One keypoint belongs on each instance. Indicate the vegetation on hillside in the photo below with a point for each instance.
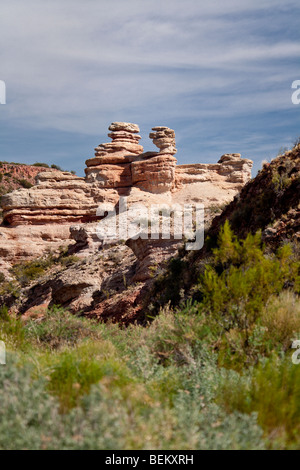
(211, 368)
(212, 373)
(18, 175)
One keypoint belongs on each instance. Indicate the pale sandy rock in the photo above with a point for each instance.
(150, 254)
(164, 139)
(118, 146)
(124, 126)
(123, 136)
(32, 241)
(231, 168)
(155, 174)
(117, 175)
(119, 168)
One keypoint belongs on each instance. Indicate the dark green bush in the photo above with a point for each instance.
(236, 289)
(28, 271)
(25, 183)
(43, 165)
(56, 167)
(59, 328)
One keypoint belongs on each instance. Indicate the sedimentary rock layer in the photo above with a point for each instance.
(119, 168)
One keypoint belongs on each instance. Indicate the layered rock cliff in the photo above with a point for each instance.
(61, 210)
(59, 199)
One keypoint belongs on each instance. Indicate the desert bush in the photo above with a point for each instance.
(68, 260)
(208, 427)
(28, 271)
(11, 330)
(75, 372)
(43, 165)
(272, 390)
(243, 279)
(281, 319)
(59, 328)
(27, 413)
(10, 288)
(177, 338)
(25, 183)
(30, 418)
(56, 167)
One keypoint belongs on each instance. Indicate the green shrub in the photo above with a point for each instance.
(11, 330)
(25, 183)
(281, 319)
(30, 418)
(43, 165)
(56, 167)
(244, 278)
(272, 390)
(59, 328)
(10, 288)
(76, 371)
(28, 271)
(68, 260)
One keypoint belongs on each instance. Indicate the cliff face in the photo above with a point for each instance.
(47, 210)
(15, 176)
(60, 210)
(270, 202)
(119, 168)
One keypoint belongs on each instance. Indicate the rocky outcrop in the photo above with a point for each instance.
(151, 254)
(110, 168)
(82, 285)
(60, 199)
(164, 139)
(29, 242)
(231, 168)
(16, 175)
(270, 202)
(155, 171)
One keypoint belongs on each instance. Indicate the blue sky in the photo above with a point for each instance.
(218, 72)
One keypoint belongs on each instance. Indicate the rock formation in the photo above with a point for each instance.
(155, 171)
(18, 175)
(58, 197)
(60, 210)
(231, 168)
(110, 168)
(119, 168)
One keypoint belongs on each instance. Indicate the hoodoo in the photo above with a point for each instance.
(119, 168)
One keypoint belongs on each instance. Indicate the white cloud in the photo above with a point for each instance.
(76, 66)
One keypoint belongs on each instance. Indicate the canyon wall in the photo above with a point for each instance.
(60, 199)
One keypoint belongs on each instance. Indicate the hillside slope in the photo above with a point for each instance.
(19, 175)
(270, 203)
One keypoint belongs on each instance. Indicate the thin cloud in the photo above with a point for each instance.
(75, 67)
